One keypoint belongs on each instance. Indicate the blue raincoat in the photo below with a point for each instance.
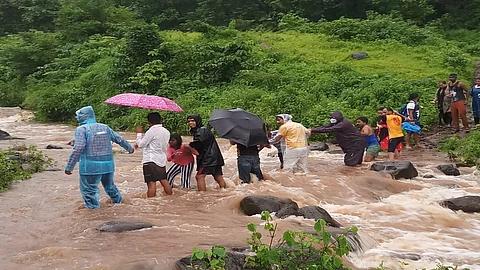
(475, 93)
(93, 149)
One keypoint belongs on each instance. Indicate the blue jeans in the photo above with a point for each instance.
(247, 165)
(91, 193)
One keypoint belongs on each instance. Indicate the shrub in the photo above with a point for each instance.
(466, 150)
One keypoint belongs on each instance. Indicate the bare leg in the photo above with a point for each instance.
(407, 141)
(166, 186)
(396, 154)
(201, 184)
(151, 189)
(220, 181)
(416, 138)
(369, 158)
(391, 155)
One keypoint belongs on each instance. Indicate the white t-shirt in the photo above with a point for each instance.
(411, 106)
(154, 144)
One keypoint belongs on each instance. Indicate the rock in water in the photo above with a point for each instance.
(123, 226)
(398, 169)
(253, 205)
(336, 152)
(51, 146)
(428, 176)
(449, 169)
(359, 55)
(4, 135)
(316, 212)
(319, 146)
(71, 143)
(467, 204)
(234, 261)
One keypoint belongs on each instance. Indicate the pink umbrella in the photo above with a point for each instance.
(144, 101)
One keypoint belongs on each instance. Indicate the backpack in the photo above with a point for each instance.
(403, 110)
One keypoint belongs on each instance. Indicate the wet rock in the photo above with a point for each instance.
(406, 256)
(253, 205)
(316, 213)
(459, 165)
(234, 261)
(398, 169)
(318, 146)
(336, 152)
(467, 204)
(51, 146)
(359, 55)
(123, 226)
(449, 169)
(4, 135)
(71, 143)
(287, 211)
(428, 176)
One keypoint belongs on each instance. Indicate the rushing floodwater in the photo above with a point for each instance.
(43, 225)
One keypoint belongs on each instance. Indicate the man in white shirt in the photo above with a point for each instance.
(154, 144)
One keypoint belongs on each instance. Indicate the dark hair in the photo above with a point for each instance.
(178, 139)
(477, 78)
(413, 96)
(452, 75)
(444, 82)
(381, 109)
(363, 119)
(154, 118)
(389, 109)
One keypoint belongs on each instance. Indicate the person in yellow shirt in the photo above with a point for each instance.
(395, 133)
(295, 136)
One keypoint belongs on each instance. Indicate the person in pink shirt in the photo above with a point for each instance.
(182, 157)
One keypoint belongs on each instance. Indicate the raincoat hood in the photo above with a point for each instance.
(198, 120)
(86, 115)
(285, 117)
(338, 116)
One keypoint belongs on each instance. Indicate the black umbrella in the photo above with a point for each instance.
(239, 126)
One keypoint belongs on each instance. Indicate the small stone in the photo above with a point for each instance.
(51, 146)
(359, 55)
(123, 226)
(429, 176)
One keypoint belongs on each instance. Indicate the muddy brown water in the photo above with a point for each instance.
(43, 225)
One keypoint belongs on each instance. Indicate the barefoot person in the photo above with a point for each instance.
(154, 144)
(395, 133)
(373, 147)
(348, 137)
(93, 148)
(182, 156)
(210, 159)
(413, 113)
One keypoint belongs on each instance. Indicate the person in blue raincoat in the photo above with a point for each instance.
(93, 149)
(475, 94)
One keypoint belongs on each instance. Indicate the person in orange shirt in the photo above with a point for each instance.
(394, 124)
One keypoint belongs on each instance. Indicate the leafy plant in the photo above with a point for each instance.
(213, 259)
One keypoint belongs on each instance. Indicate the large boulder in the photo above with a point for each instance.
(359, 55)
(234, 261)
(4, 135)
(318, 146)
(398, 169)
(253, 205)
(449, 169)
(123, 226)
(316, 213)
(467, 204)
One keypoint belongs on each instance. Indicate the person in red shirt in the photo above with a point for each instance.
(182, 157)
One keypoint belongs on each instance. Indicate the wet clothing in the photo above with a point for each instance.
(373, 150)
(371, 140)
(93, 150)
(348, 137)
(152, 172)
(211, 170)
(394, 125)
(294, 134)
(249, 164)
(154, 144)
(412, 105)
(182, 156)
(209, 154)
(184, 170)
(247, 151)
(295, 158)
(394, 143)
(475, 93)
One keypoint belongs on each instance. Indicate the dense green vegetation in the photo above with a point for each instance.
(20, 163)
(268, 57)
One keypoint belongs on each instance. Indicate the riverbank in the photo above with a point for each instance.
(45, 226)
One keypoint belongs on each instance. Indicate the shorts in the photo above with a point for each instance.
(152, 172)
(393, 143)
(373, 150)
(210, 170)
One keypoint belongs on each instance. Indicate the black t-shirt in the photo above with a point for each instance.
(457, 92)
(247, 151)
